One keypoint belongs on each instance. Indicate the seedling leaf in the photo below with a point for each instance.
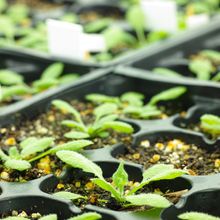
(19, 165)
(53, 71)
(68, 195)
(197, 216)
(87, 216)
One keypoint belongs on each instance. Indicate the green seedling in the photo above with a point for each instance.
(105, 119)
(166, 72)
(197, 216)
(120, 179)
(210, 124)
(132, 103)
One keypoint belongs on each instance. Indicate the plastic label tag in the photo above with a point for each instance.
(197, 20)
(160, 15)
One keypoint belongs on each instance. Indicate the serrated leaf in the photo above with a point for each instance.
(53, 71)
(64, 106)
(99, 98)
(72, 146)
(38, 146)
(8, 77)
(76, 135)
(49, 217)
(87, 216)
(167, 72)
(149, 199)
(105, 109)
(108, 187)
(210, 123)
(77, 160)
(19, 165)
(133, 98)
(119, 126)
(168, 94)
(120, 178)
(202, 68)
(197, 216)
(68, 195)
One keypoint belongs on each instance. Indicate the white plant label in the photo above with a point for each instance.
(197, 20)
(67, 40)
(160, 15)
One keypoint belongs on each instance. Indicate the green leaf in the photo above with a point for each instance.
(68, 195)
(115, 37)
(202, 68)
(87, 216)
(107, 118)
(166, 72)
(14, 153)
(69, 17)
(64, 106)
(108, 187)
(149, 199)
(135, 16)
(211, 54)
(19, 165)
(72, 124)
(150, 111)
(27, 142)
(216, 77)
(53, 71)
(17, 90)
(133, 98)
(3, 5)
(97, 25)
(105, 109)
(119, 126)
(197, 216)
(49, 217)
(7, 27)
(169, 94)
(120, 178)
(14, 218)
(77, 160)
(38, 146)
(210, 123)
(99, 98)
(72, 146)
(68, 78)
(3, 156)
(44, 84)
(8, 77)
(76, 135)
(18, 12)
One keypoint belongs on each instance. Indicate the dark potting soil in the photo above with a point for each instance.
(197, 161)
(98, 197)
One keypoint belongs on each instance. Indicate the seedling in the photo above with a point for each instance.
(166, 72)
(120, 180)
(33, 149)
(210, 124)
(197, 216)
(52, 77)
(86, 216)
(105, 119)
(132, 103)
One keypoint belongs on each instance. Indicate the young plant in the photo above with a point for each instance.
(120, 180)
(105, 119)
(197, 216)
(132, 103)
(86, 216)
(52, 77)
(166, 72)
(33, 149)
(210, 124)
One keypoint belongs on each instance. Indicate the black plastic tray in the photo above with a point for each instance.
(34, 193)
(174, 53)
(31, 68)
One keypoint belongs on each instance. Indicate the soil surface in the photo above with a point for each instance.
(98, 197)
(197, 161)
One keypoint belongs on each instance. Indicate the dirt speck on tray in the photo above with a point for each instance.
(198, 161)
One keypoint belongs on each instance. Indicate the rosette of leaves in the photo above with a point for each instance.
(210, 124)
(105, 119)
(32, 149)
(132, 103)
(197, 216)
(86, 216)
(52, 76)
(120, 180)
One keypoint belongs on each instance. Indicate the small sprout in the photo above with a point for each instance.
(105, 119)
(132, 103)
(210, 124)
(120, 180)
(8, 77)
(166, 72)
(197, 216)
